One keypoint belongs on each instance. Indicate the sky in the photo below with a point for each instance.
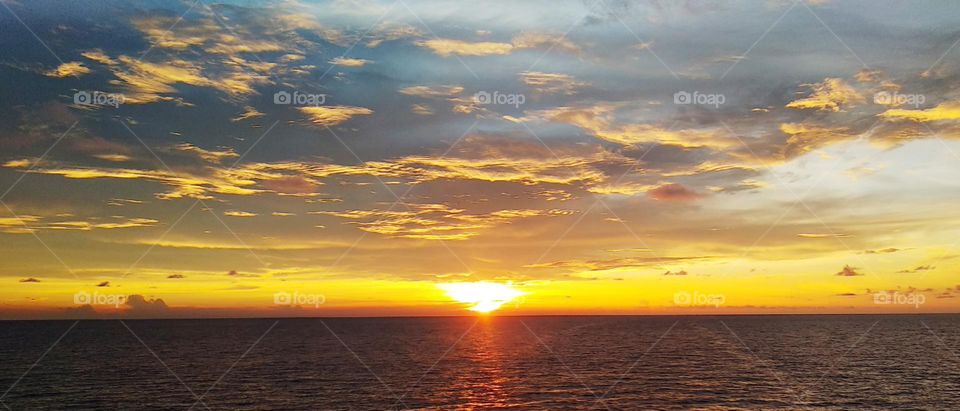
(362, 158)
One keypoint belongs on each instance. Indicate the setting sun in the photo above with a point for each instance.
(484, 296)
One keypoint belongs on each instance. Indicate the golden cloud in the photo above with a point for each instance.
(943, 111)
(207, 155)
(348, 62)
(830, 95)
(599, 120)
(551, 82)
(805, 137)
(448, 47)
(73, 68)
(236, 213)
(433, 221)
(432, 91)
(332, 115)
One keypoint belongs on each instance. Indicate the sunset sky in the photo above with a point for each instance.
(767, 156)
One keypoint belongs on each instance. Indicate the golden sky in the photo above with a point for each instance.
(354, 158)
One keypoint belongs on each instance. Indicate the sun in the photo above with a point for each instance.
(484, 296)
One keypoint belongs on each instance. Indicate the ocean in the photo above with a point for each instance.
(815, 362)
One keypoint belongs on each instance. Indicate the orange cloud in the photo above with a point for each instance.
(673, 192)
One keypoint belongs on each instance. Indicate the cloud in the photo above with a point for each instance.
(551, 83)
(600, 120)
(868, 75)
(673, 192)
(832, 94)
(823, 235)
(432, 91)
(211, 156)
(434, 221)
(148, 82)
(248, 113)
(681, 272)
(616, 263)
(104, 284)
(544, 40)
(234, 213)
(448, 47)
(176, 276)
(26, 224)
(139, 305)
(332, 115)
(73, 68)
(849, 271)
(29, 280)
(917, 269)
(882, 251)
(422, 110)
(943, 111)
(348, 62)
(805, 137)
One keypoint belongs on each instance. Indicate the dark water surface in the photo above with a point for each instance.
(714, 363)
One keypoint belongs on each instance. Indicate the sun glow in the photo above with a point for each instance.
(484, 296)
